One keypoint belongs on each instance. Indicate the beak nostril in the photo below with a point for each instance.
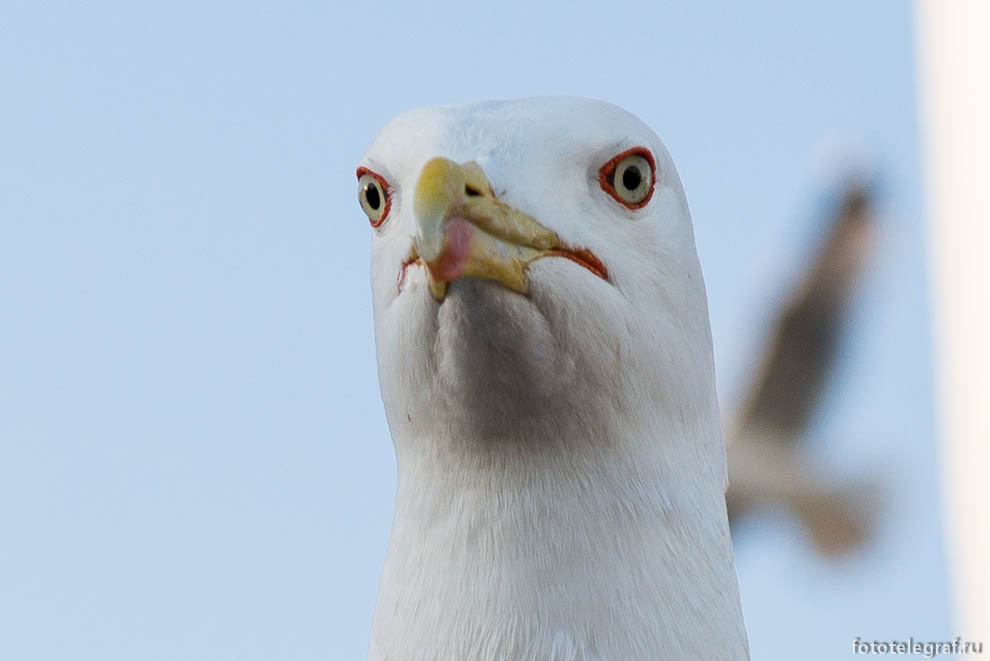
(471, 191)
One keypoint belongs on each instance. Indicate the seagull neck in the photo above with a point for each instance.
(598, 548)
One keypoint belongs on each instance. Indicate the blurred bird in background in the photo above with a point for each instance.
(766, 464)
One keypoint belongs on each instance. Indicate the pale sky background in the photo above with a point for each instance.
(194, 460)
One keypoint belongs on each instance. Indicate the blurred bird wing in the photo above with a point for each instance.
(802, 345)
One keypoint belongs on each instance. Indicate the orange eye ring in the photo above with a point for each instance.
(633, 190)
(374, 195)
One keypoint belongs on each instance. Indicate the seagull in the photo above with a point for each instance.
(765, 463)
(545, 362)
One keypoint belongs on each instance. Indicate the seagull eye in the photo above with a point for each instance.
(373, 194)
(630, 177)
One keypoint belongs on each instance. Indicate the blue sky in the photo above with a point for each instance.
(194, 461)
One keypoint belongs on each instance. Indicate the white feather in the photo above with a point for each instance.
(561, 469)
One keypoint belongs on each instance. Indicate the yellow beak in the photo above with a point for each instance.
(463, 231)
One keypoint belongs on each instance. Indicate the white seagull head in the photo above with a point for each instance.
(532, 260)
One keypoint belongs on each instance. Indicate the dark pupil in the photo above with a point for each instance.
(372, 196)
(631, 178)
